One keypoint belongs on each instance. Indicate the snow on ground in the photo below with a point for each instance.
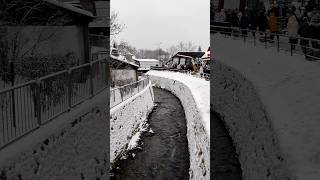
(136, 138)
(127, 121)
(283, 98)
(194, 94)
(133, 143)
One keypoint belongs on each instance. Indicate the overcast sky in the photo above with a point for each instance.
(150, 22)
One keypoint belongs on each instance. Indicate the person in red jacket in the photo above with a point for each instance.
(273, 25)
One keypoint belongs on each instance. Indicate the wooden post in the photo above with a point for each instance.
(12, 78)
(91, 80)
(69, 85)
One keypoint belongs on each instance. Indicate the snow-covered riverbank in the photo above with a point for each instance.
(194, 94)
(126, 119)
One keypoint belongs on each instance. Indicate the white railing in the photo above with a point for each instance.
(120, 94)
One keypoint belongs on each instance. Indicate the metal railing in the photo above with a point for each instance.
(308, 47)
(25, 107)
(120, 94)
(205, 76)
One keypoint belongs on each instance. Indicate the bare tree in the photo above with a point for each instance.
(115, 26)
(190, 46)
(125, 48)
(185, 46)
(181, 46)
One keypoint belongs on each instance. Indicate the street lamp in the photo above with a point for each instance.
(159, 50)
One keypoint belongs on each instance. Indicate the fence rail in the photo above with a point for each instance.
(120, 94)
(308, 47)
(25, 107)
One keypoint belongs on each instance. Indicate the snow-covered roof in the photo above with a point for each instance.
(147, 60)
(70, 7)
(123, 60)
(183, 56)
(144, 68)
(193, 54)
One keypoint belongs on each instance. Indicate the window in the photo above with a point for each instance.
(183, 61)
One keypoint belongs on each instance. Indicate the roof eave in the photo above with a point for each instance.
(70, 8)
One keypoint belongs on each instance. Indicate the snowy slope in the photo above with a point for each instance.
(288, 87)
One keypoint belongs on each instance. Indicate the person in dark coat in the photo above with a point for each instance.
(304, 32)
(234, 20)
(315, 28)
(253, 22)
(244, 23)
(262, 24)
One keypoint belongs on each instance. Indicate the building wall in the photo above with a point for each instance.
(148, 64)
(49, 40)
(120, 77)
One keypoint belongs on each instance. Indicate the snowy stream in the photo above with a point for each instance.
(164, 155)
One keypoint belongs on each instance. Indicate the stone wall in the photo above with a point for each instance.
(235, 99)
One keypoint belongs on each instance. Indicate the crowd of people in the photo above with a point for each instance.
(305, 24)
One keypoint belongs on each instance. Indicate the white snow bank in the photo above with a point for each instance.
(127, 120)
(134, 141)
(270, 102)
(195, 98)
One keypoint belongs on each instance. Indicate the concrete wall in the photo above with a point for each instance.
(125, 119)
(269, 100)
(198, 139)
(74, 146)
(235, 99)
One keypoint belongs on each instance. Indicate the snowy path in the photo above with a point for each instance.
(165, 154)
(225, 163)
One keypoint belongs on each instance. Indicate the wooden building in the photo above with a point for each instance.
(53, 28)
(187, 59)
(122, 71)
